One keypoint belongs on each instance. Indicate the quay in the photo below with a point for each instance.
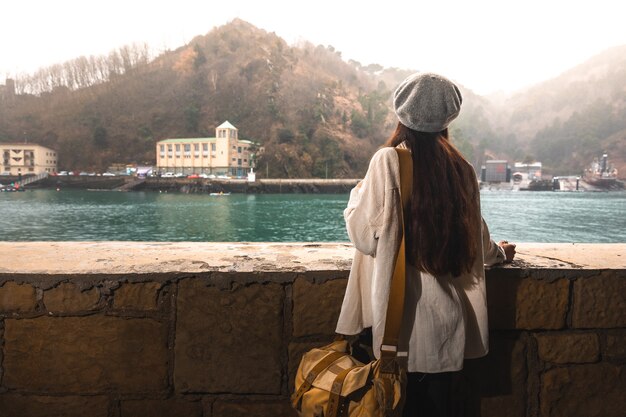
(217, 329)
(196, 185)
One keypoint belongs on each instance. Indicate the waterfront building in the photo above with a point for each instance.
(530, 172)
(26, 159)
(495, 171)
(224, 154)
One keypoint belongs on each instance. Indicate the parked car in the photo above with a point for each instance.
(193, 176)
(168, 175)
(108, 174)
(179, 175)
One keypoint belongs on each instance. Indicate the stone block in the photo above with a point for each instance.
(85, 355)
(529, 303)
(137, 296)
(14, 405)
(316, 306)
(541, 304)
(253, 409)
(17, 297)
(495, 385)
(229, 341)
(172, 407)
(68, 298)
(568, 347)
(615, 349)
(595, 390)
(600, 302)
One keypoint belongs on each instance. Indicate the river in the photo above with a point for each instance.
(79, 215)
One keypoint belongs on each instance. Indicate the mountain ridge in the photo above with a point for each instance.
(314, 113)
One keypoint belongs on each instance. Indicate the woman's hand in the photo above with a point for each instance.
(509, 250)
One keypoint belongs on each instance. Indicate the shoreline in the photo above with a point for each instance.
(200, 186)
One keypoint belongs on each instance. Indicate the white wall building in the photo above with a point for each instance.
(26, 159)
(224, 154)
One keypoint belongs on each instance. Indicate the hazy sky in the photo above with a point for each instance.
(486, 45)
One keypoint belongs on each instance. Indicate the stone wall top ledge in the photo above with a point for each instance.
(113, 258)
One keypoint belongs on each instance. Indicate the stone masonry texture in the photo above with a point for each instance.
(600, 302)
(253, 409)
(229, 341)
(17, 297)
(14, 405)
(316, 306)
(139, 296)
(161, 408)
(123, 329)
(595, 390)
(568, 347)
(527, 303)
(69, 298)
(541, 304)
(91, 354)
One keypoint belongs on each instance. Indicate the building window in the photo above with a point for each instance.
(239, 149)
(187, 147)
(162, 147)
(169, 148)
(213, 147)
(196, 146)
(205, 146)
(178, 147)
(31, 169)
(234, 147)
(239, 161)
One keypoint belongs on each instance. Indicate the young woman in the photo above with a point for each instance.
(447, 246)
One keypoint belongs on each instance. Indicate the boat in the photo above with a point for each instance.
(11, 189)
(219, 194)
(600, 173)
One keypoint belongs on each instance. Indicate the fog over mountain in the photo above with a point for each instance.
(314, 113)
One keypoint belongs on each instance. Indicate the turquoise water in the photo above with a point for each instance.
(74, 215)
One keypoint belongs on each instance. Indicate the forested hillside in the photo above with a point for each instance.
(569, 120)
(314, 113)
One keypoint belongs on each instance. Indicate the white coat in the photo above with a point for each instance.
(445, 318)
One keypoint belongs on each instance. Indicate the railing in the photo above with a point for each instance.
(31, 179)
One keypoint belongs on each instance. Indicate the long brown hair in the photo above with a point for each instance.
(443, 225)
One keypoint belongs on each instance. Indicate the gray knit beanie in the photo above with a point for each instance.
(427, 102)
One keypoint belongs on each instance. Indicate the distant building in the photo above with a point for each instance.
(224, 154)
(26, 159)
(495, 171)
(528, 172)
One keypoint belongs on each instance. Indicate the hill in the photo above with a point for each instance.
(315, 114)
(569, 120)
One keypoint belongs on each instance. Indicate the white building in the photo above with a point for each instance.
(528, 172)
(26, 159)
(224, 154)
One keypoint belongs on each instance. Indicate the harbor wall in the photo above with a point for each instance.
(197, 185)
(121, 329)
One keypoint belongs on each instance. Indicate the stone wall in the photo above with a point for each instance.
(122, 329)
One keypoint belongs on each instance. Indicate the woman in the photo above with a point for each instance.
(448, 244)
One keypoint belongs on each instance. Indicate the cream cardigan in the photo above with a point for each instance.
(445, 318)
